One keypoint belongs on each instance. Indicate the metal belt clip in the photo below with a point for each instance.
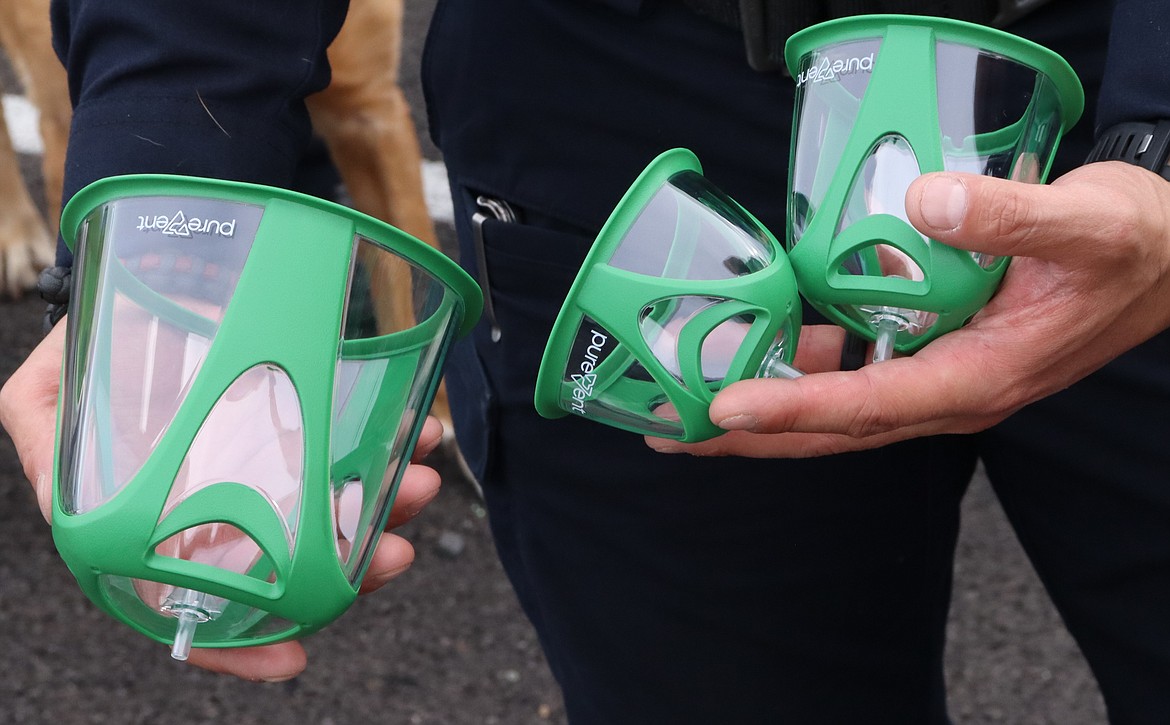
(500, 210)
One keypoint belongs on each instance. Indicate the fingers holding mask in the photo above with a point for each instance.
(1089, 279)
(392, 556)
(28, 411)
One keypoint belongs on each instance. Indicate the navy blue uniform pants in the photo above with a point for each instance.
(670, 589)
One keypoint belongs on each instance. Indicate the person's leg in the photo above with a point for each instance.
(683, 590)
(668, 588)
(1083, 475)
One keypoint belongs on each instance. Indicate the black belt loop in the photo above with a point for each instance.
(761, 22)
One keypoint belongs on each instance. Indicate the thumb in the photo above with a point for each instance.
(1006, 218)
(28, 409)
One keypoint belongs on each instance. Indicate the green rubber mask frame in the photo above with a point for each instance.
(356, 399)
(682, 292)
(873, 88)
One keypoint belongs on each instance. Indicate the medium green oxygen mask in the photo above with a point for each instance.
(246, 373)
(880, 100)
(682, 293)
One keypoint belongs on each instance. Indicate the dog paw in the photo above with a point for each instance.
(25, 250)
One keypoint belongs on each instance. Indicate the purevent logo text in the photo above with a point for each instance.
(180, 225)
(828, 69)
(584, 380)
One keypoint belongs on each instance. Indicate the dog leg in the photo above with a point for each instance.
(365, 121)
(26, 241)
(48, 89)
(25, 245)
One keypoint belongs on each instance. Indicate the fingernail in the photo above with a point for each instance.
(44, 492)
(743, 421)
(416, 507)
(663, 445)
(278, 678)
(943, 203)
(381, 578)
(410, 513)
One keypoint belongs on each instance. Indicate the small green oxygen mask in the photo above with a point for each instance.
(682, 293)
(246, 373)
(880, 100)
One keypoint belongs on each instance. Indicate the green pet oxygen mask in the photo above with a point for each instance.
(246, 374)
(682, 292)
(880, 100)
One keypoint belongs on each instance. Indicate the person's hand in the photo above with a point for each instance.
(392, 556)
(28, 411)
(1089, 280)
(28, 408)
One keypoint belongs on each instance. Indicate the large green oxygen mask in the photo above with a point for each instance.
(246, 373)
(682, 292)
(881, 100)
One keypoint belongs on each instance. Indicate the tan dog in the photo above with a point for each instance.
(26, 240)
(363, 117)
(365, 121)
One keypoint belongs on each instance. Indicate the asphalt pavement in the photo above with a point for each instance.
(447, 643)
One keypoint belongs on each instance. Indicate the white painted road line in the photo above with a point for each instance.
(438, 192)
(22, 118)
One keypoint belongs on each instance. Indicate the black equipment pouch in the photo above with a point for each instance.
(767, 24)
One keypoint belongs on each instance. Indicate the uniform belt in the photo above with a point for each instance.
(767, 24)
